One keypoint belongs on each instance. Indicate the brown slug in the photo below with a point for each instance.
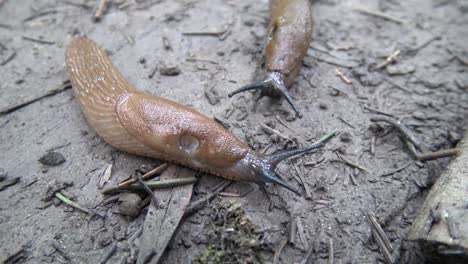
(155, 127)
(290, 34)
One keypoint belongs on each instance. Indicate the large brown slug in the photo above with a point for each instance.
(155, 127)
(287, 44)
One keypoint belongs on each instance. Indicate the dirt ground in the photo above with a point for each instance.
(426, 88)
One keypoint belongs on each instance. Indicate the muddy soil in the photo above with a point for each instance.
(425, 87)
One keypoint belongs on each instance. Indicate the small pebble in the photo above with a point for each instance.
(169, 71)
(52, 159)
(323, 106)
(129, 204)
(419, 115)
(345, 136)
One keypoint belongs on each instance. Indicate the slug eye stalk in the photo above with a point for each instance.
(264, 168)
(273, 85)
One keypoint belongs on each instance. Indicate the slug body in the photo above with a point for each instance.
(287, 44)
(155, 127)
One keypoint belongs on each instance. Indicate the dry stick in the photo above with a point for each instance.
(380, 231)
(146, 176)
(40, 41)
(197, 205)
(308, 254)
(396, 85)
(162, 184)
(66, 200)
(341, 75)
(274, 131)
(388, 60)
(292, 230)
(279, 250)
(377, 111)
(438, 154)
(308, 194)
(347, 161)
(10, 58)
(397, 169)
(7, 183)
(149, 191)
(385, 251)
(331, 253)
(413, 145)
(100, 10)
(109, 254)
(379, 14)
(404, 131)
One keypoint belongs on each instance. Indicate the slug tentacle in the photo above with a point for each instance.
(272, 86)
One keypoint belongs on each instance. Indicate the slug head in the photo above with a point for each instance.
(262, 169)
(272, 86)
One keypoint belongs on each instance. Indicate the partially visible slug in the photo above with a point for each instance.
(287, 44)
(159, 128)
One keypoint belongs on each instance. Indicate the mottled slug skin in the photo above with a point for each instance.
(290, 36)
(149, 125)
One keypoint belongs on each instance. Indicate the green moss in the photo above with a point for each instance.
(231, 238)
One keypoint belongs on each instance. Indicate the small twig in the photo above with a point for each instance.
(39, 15)
(418, 150)
(391, 58)
(397, 169)
(10, 58)
(279, 250)
(292, 230)
(156, 171)
(380, 231)
(109, 254)
(462, 60)
(100, 10)
(397, 85)
(385, 251)
(148, 191)
(205, 33)
(71, 203)
(300, 173)
(423, 45)
(366, 11)
(197, 205)
(404, 131)
(162, 184)
(372, 145)
(326, 137)
(438, 154)
(40, 41)
(201, 60)
(377, 111)
(308, 254)
(341, 75)
(274, 131)
(347, 161)
(300, 230)
(7, 183)
(331, 253)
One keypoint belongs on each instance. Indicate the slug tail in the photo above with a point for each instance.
(98, 85)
